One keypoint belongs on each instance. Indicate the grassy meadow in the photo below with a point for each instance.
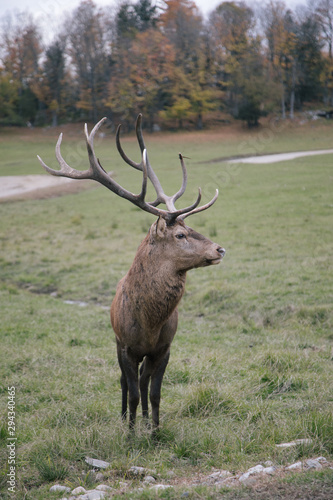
(251, 365)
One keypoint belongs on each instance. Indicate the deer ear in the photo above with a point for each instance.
(160, 227)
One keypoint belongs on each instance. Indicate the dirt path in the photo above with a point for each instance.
(21, 187)
(281, 156)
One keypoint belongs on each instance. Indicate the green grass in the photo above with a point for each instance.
(19, 147)
(251, 364)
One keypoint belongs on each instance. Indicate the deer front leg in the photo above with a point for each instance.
(123, 384)
(124, 392)
(145, 373)
(160, 365)
(130, 366)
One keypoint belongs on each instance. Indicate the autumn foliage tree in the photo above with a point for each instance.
(50, 86)
(21, 49)
(239, 65)
(87, 47)
(322, 12)
(165, 60)
(192, 90)
(280, 36)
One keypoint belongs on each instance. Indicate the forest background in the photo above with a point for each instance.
(165, 60)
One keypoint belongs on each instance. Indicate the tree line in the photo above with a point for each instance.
(168, 62)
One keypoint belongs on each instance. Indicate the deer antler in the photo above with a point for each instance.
(161, 196)
(96, 172)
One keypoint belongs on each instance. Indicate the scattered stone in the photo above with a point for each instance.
(140, 471)
(99, 477)
(99, 464)
(149, 480)
(93, 495)
(137, 471)
(246, 477)
(79, 490)
(295, 466)
(230, 482)
(159, 487)
(79, 303)
(103, 487)
(247, 480)
(256, 469)
(269, 470)
(286, 445)
(313, 464)
(221, 474)
(294, 443)
(59, 487)
(219, 478)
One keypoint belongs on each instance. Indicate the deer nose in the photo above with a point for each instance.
(221, 251)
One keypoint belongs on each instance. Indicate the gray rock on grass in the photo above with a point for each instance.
(59, 487)
(97, 464)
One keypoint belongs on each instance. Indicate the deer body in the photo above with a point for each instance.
(144, 312)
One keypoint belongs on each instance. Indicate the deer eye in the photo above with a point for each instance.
(180, 236)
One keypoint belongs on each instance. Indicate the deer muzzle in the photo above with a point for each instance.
(220, 254)
(221, 251)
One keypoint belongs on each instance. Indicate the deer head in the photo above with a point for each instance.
(183, 247)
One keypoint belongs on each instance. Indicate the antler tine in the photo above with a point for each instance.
(145, 175)
(90, 137)
(65, 169)
(122, 153)
(178, 213)
(96, 171)
(184, 183)
(51, 170)
(161, 196)
(138, 130)
(200, 209)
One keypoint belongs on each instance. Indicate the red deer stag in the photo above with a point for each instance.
(144, 312)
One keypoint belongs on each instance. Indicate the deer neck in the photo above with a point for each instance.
(154, 285)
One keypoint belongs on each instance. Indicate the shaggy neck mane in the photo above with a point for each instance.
(155, 287)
